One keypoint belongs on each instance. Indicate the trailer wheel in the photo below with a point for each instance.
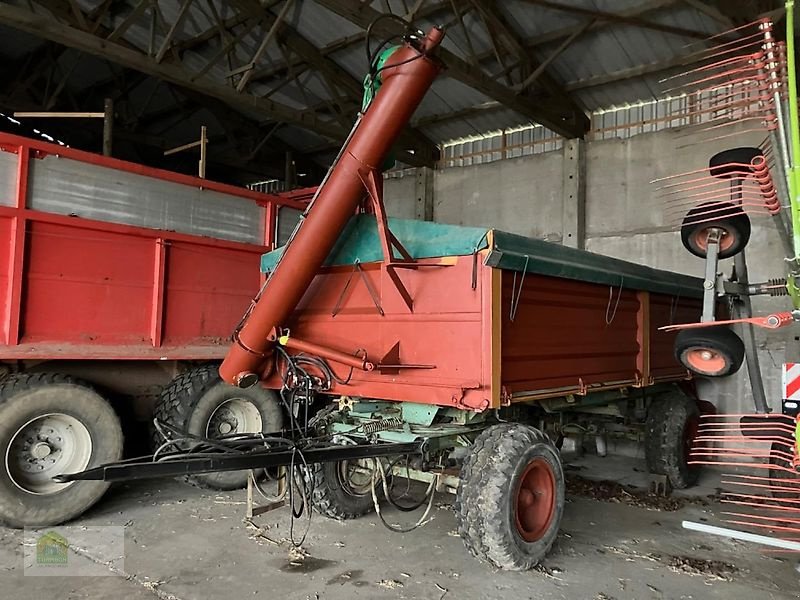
(343, 490)
(780, 478)
(510, 497)
(729, 163)
(200, 403)
(672, 424)
(710, 351)
(52, 424)
(727, 217)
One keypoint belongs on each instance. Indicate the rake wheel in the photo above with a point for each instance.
(710, 351)
(729, 218)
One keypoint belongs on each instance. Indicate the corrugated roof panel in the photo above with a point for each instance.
(535, 20)
(478, 124)
(448, 95)
(319, 25)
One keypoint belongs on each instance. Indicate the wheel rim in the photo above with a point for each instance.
(705, 360)
(535, 500)
(236, 415)
(46, 446)
(355, 477)
(726, 242)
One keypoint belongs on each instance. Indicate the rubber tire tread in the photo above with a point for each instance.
(491, 465)
(731, 216)
(743, 155)
(16, 383)
(665, 451)
(778, 475)
(330, 500)
(719, 338)
(175, 406)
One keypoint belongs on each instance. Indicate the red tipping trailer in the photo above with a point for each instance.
(449, 337)
(114, 279)
(495, 318)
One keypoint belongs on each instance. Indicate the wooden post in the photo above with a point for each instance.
(203, 143)
(108, 126)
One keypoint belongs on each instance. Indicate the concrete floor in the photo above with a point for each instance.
(184, 543)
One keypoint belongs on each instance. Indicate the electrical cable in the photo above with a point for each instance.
(394, 501)
(430, 493)
(368, 35)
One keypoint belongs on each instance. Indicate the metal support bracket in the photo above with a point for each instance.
(254, 510)
(743, 309)
(710, 281)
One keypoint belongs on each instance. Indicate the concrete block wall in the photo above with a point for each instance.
(623, 219)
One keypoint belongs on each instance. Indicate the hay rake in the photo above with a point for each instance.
(750, 84)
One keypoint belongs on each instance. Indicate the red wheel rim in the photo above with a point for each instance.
(535, 500)
(705, 360)
(700, 238)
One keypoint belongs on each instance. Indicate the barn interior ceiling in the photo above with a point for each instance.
(272, 79)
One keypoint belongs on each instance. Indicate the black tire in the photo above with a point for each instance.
(672, 422)
(727, 164)
(710, 351)
(781, 477)
(25, 397)
(337, 496)
(190, 403)
(489, 491)
(730, 218)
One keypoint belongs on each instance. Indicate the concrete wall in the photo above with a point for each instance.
(623, 219)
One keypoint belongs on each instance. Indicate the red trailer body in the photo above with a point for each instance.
(495, 318)
(78, 281)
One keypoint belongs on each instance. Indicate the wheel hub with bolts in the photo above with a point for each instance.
(236, 415)
(44, 447)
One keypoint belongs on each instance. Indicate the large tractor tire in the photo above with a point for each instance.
(52, 424)
(785, 484)
(198, 402)
(672, 424)
(510, 498)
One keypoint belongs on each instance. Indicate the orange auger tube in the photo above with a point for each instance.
(406, 77)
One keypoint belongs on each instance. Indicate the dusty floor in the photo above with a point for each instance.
(184, 543)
